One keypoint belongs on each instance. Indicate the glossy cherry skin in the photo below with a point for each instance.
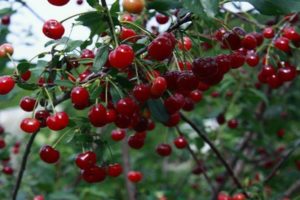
(97, 115)
(5, 20)
(94, 174)
(39, 197)
(205, 68)
(252, 59)
(237, 60)
(126, 106)
(128, 34)
(196, 95)
(269, 32)
(42, 116)
(118, 134)
(274, 82)
(233, 123)
(133, 6)
(111, 115)
(122, 121)
(80, 96)
(282, 43)
(173, 120)
(174, 103)
(161, 19)
(159, 86)
(7, 170)
(7, 83)
(141, 92)
(49, 155)
(58, 2)
(287, 73)
(164, 150)
(27, 103)
(114, 170)
(26, 75)
(2, 144)
(239, 196)
(121, 57)
(249, 42)
(134, 176)
(58, 121)
(180, 142)
(86, 160)
(30, 125)
(223, 196)
(160, 48)
(53, 29)
(136, 142)
(186, 44)
(290, 33)
(231, 40)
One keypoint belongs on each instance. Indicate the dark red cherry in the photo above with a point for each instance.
(121, 57)
(161, 19)
(249, 42)
(27, 103)
(237, 59)
(7, 83)
(111, 115)
(282, 43)
(42, 116)
(122, 121)
(290, 33)
(115, 170)
(186, 82)
(287, 73)
(7, 170)
(252, 59)
(173, 120)
(174, 103)
(97, 115)
(26, 75)
(259, 38)
(94, 174)
(136, 142)
(231, 40)
(30, 125)
(49, 155)
(180, 142)
(223, 62)
(160, 48)
(159, 86)
(164, 149)
(58, 121)
(221, 119)
(142, 92)
(80, 96)
(134, 176)
(118, 134)
(274, 82)
(86, 160)
(204, 68)
(58, 2)
(196, 95)
(5, 20)
(233, 123)
(269, 32)
(53, 29)
(126, 106)
(2, 143)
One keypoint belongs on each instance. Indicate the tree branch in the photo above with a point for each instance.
(31, 10)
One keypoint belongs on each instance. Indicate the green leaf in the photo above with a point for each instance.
(115, 8)
(163, 5)
(276, 7)
(259, 94)
(124, 82)
(95, 21)
(28, 86)
(64, 83)
(158, 110)
(195, 6)
(73, 44)
(101, 57)
(211, 7)
(23, 67)
(6, 11)
(94, 4)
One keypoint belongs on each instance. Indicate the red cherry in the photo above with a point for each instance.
(141, 92)
(84, 75)
(2, 143)
(58, 121)
(259, 38)
(205, 68)
(27, 103)
(49, 155)
(164, 150)
(30, 125)
(160, 48)
(126, 106)
(7, 170)
(80, 96)
(86, 160)
(161, 19)
(274, 82)
(42, 116)
(121, 57)
(219, 34)
(237, 60)
(223, 62)
(174, 103)
(282, 43)
(58, 2)
(252, 59)
(127, 18)
(239, 196)
(221, 119)
(233, 123)
(184, 65)
(173, 120)
(118, 134)
(231, 40)
(7, 83)
(115, 170)
(159, 86)
(39, 197)
(5, 20)
(94, 174)
(223, 196)
(290, 33)
(97, 115)
(53, 29)
(180, 142)
(249, 42)
(287, 73)
(134, 176)
(280, 132)
(26, 75)
(136, 142)
(127, 33)
(111, 115)
(186, 45)
(122, 121)
(269, 32)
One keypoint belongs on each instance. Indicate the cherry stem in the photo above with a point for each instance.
(50, 99)
(137, 26)
(217, 152)
(23, 165)
(61, 137)
(13, 62)
(31, 10)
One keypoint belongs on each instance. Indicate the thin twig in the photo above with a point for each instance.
(31, 10)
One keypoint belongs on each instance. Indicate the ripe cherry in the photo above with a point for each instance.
(231, 40)
(2, 143)
(180, 142)
(287, 73)
(269, 32)
(42, 116)
(274, 82)
(39, 197)
(121, 57)
(184, 65)
(280, 132)
(30, 125)
(128, 34)
(111, 115)
(239, 196)
(97, 115)
(7, 83)
(26, 75)
(7, 170)
(233, 123)
(186, 44)
(5, 20)
(53, 29)
(161, 19)
(136, 142)
(249, 42)
(160, 48)
(49, 155)
(86, 160)
(237, 60)
(126, 106)
(173, 120)
(290, 33)
(118, 134)
(80, 96)
(159, 86)
(205, 68)
(252, 59)
(141, 92)
(115, 170)
(94, 174)
(58, 2)
(122, 121)
(282, 43)
(133, 6)
(196, 95)
(27, 103)
(223, 196)
(58, 121)
(134, 176)
(174, 103)
(164, 149)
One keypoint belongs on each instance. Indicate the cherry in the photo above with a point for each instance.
(164, 150)
(142, 92)
(5, 20)
(173, 120)
(39, 197)
(233, 123)
(186, 44)
(180, 142)
(58, 121)
(94, 174)
(223, 196)
(160, 48)
(111, 115)
(115, 170)
(133, 6)
(53, 29)
(49, 155)
(42, 116)
(252, 59)
(196, 95)
(139, 123)
(269, 32)
(2, 143)
(122, 121)
(205, 68)
(30, 125)
(126, 106)
(134, 176)
(280, 132)
(159, 86)
(7, 83)
(287, 73)
(121, 57)
(86, 160)
(259, 38)
(237, 60)
(221, 119)
(231, 40)
(223, 62)
(249, 42)
(174, 103)
(184, 65)
(1, 130)
(187, 82)
(80, 96)
(136, 142)
(239, 196)
(97, 115)
(161, 19)
(127, 33)
(79, 2)
(7, 170)
(274, 82)
(84, 75)
(282, 43)
(26, 75)
(58, 2)
(118, 134)
(27, 103)
(290, 33)
(127, 17)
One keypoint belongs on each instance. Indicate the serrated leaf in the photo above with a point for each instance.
(101, 57)
(158, 110)
(163, 5)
